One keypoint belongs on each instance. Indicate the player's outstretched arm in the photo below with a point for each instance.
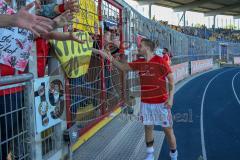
(122, 66)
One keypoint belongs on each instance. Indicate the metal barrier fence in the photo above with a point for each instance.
(114, 87)
(184, 47)
(15, 132)
(18, 137)
(98, 92)
(89, 103)
(85, 95)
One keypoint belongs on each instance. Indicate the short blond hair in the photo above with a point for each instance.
(149, 43)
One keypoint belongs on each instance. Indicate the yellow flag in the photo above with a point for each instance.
(73, 56)
(87, 17)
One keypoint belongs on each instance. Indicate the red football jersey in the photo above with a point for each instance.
(153, 79)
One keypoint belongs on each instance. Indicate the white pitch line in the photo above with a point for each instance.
(234, 87)
(204, 153)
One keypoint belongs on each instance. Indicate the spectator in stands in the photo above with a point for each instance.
(52, 10)
(111, 41)
(111, 46)
(63, 14)
(202, 31)
(166, 56)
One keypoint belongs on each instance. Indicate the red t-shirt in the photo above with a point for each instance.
(166, 58)
(153, 79)
(42, 54)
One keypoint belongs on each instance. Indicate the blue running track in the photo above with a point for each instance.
(217, 95)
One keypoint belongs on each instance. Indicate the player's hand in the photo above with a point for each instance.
(34, 23)
(104, 54)
(169, 103)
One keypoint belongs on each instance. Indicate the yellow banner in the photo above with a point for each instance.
(87, 17)
(73, 56)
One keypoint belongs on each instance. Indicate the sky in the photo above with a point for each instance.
(192, 18)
